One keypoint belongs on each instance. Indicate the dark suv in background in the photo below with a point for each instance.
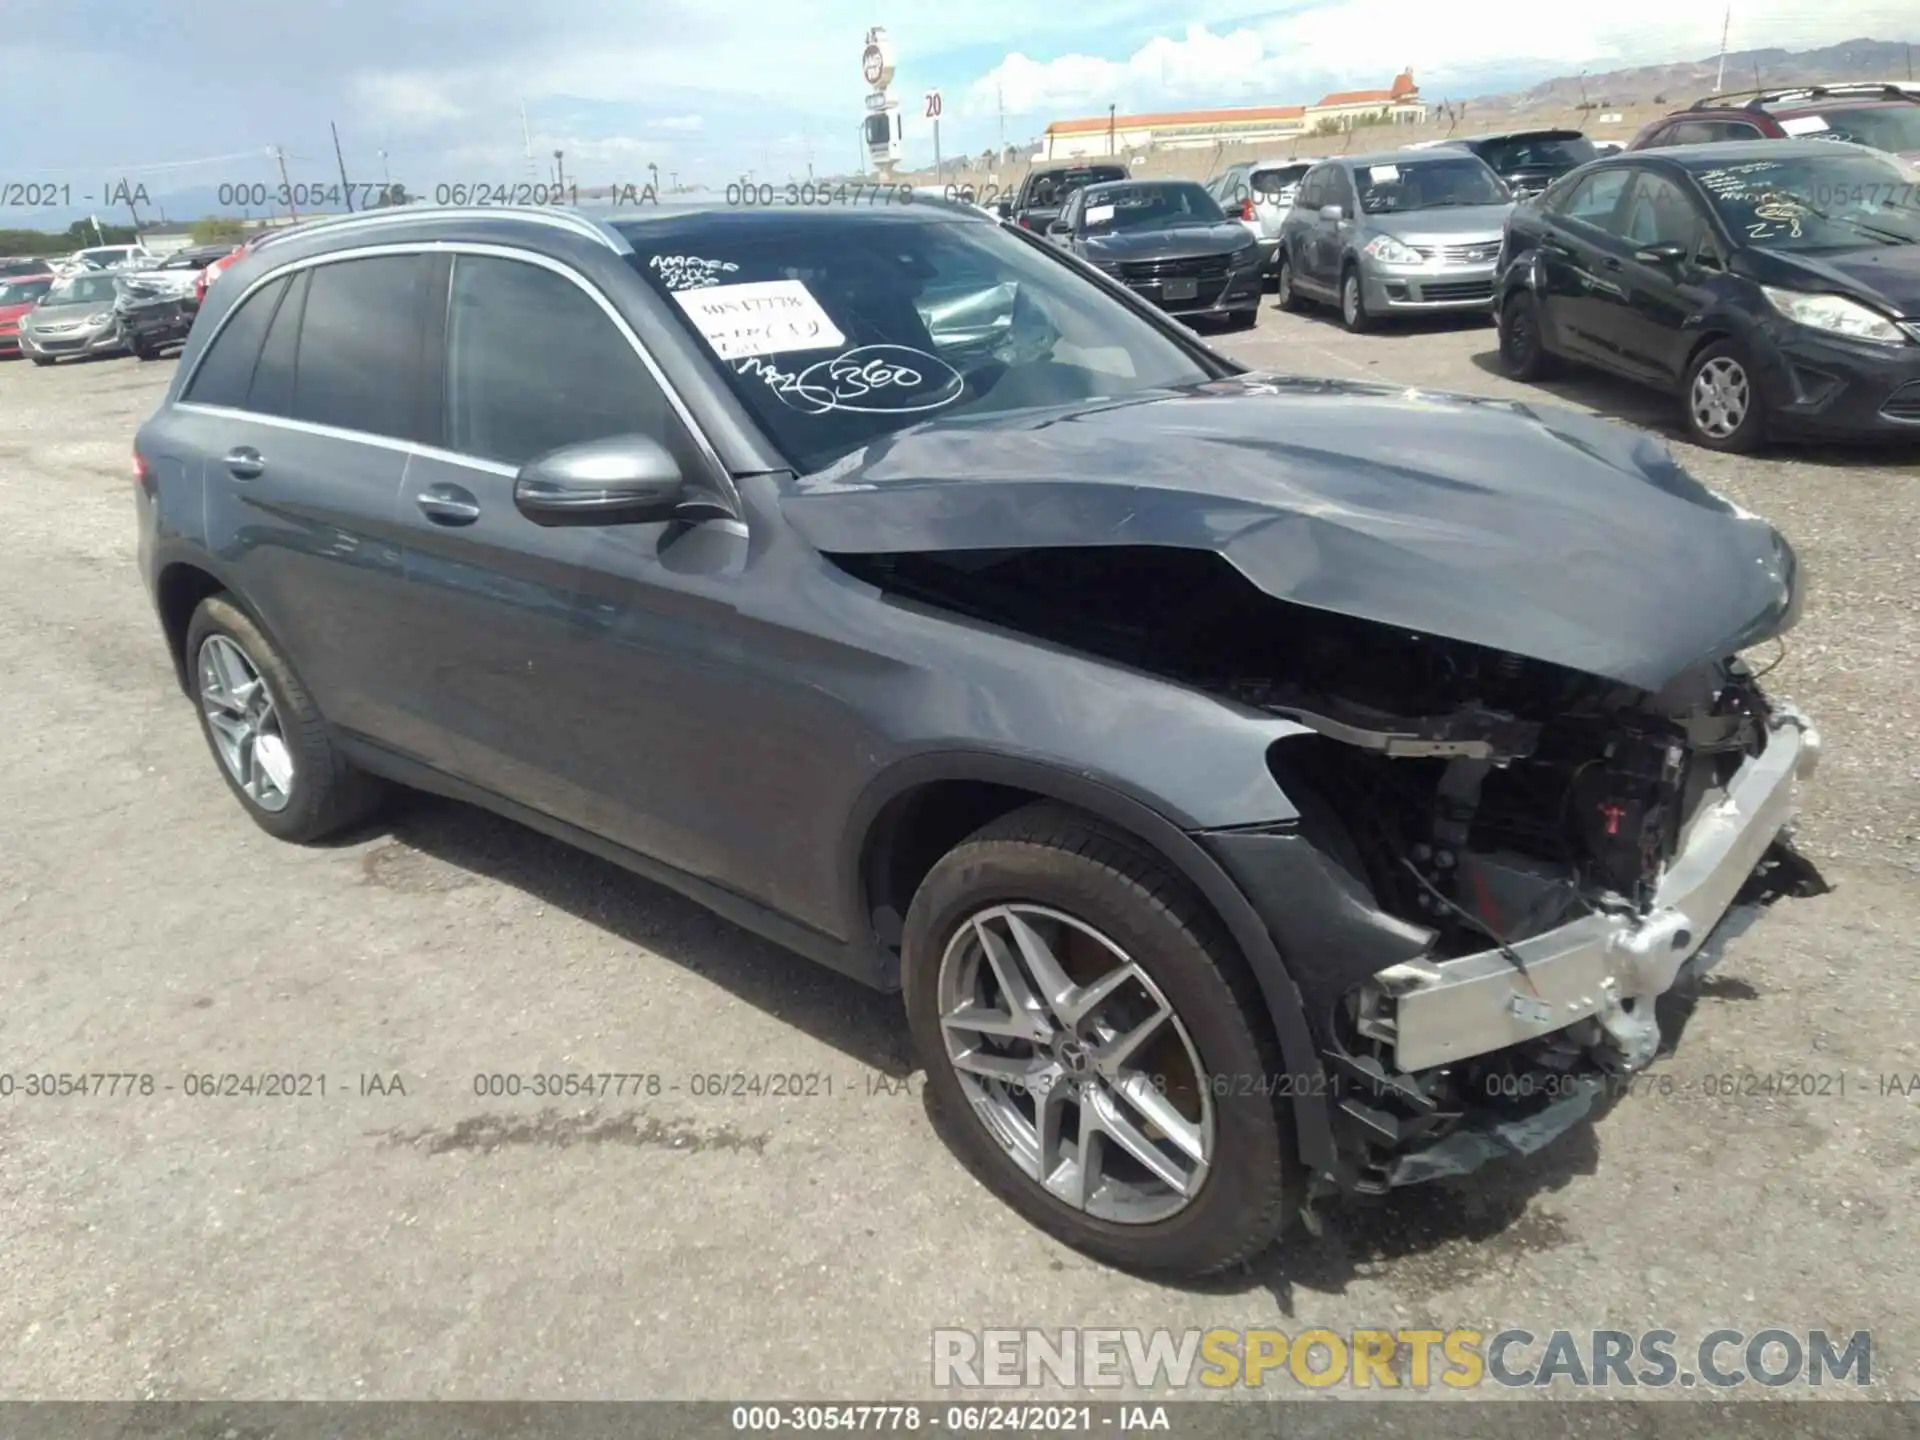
(1528, 160)
(1230, 770)
(1881, 117)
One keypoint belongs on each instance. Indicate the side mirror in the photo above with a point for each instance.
(1666, 253)
(1059, 229)
(1332, 212)
(1004, 209)
(623, 480)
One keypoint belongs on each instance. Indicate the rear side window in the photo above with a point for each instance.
(534, 363)
(1595, 199)
(226, 371)
(1273, 185)
(359, 347)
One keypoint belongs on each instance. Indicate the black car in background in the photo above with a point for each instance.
(1043, 194)
(1168, 240)
(1528, 160)
(1774, 285)
(154, 319)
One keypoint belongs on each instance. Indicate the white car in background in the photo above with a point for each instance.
(104, 258)
(1258, 193)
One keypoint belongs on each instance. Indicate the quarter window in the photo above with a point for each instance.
(226, 371)
(534, 363)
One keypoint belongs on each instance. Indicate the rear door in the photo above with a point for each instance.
(1581, 253)
(304, 406)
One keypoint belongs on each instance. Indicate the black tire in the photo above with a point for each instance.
(1284, 295)
(1242, 319)
(1353, 308)
(44, 360)
(327, 794)
(1051, 856)
(1730, 359)
(1523, 354)
(145, 352)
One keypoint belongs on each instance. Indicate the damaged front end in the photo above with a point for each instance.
(1498, 862)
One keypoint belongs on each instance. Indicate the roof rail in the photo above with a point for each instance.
(1760, 99)
(400, 214)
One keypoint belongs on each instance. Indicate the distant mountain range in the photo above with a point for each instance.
(1681, 83)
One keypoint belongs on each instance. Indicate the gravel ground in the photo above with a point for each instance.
(435, 1244)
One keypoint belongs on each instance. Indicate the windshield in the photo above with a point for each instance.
(1055, 188)
(893, 320)
(1829, 202)
(1878, 127)
(82, 289)
(1398, 186)
(20, 292)
(1115, 208)
(1538, 152)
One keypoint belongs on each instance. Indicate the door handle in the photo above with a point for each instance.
(448, 505)
(1612, 263)
(243, 462)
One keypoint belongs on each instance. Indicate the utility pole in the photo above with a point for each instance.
(346, 185)
(526, 139)
(281, 156)
(1110, 145)
(1726, 24)
(560, 169)
(1000, 102)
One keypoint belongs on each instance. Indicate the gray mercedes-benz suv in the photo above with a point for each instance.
(1405, 231)
(1245, 793)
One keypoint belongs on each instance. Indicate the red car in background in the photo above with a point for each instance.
(212, 272)
(18, 295)
(1879, 116)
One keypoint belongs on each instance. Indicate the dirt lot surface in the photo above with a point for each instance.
(440, 1244)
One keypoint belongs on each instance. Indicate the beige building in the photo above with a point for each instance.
(1101, 135)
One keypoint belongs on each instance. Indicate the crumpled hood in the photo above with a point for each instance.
(1525, 528)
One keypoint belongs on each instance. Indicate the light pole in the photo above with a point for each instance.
(1110, 145)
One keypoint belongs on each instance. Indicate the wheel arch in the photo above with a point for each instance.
(913, 813)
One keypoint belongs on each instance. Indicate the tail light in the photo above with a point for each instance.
(1025, 224)
(1247, 212)
(142, 472)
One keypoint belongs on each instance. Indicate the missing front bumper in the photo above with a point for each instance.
(1438, 1012)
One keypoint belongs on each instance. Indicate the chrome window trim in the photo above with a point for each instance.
(564, 219)
(730, 492)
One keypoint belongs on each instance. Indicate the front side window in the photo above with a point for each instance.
(835, 329)
(1596, 199)
(533, 363)
(360, 344)
(1396, 187)
(226, 371)
(1659, 213)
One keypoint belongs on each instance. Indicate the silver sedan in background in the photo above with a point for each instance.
(1408, 231)
(77, 317)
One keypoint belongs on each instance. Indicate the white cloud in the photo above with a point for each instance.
(677, 122)
(1363, 43)
(408, 100)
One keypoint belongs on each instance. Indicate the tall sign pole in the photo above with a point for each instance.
(933, 114)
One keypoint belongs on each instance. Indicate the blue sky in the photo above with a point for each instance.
(186, 94)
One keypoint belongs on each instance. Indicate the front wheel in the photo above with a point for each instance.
(1096, 1049)
(43, 360)
(1725, 409)
(1353, 302)
(1284, 295)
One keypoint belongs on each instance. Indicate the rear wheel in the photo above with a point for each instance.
(1096, 1048)
(1353, 301)
(1725, 409)
(273, 748)
(145, 352)
(1522, 354)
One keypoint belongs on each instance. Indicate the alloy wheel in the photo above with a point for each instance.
(1075, 1063)
(244, 723)
(1721, 397)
